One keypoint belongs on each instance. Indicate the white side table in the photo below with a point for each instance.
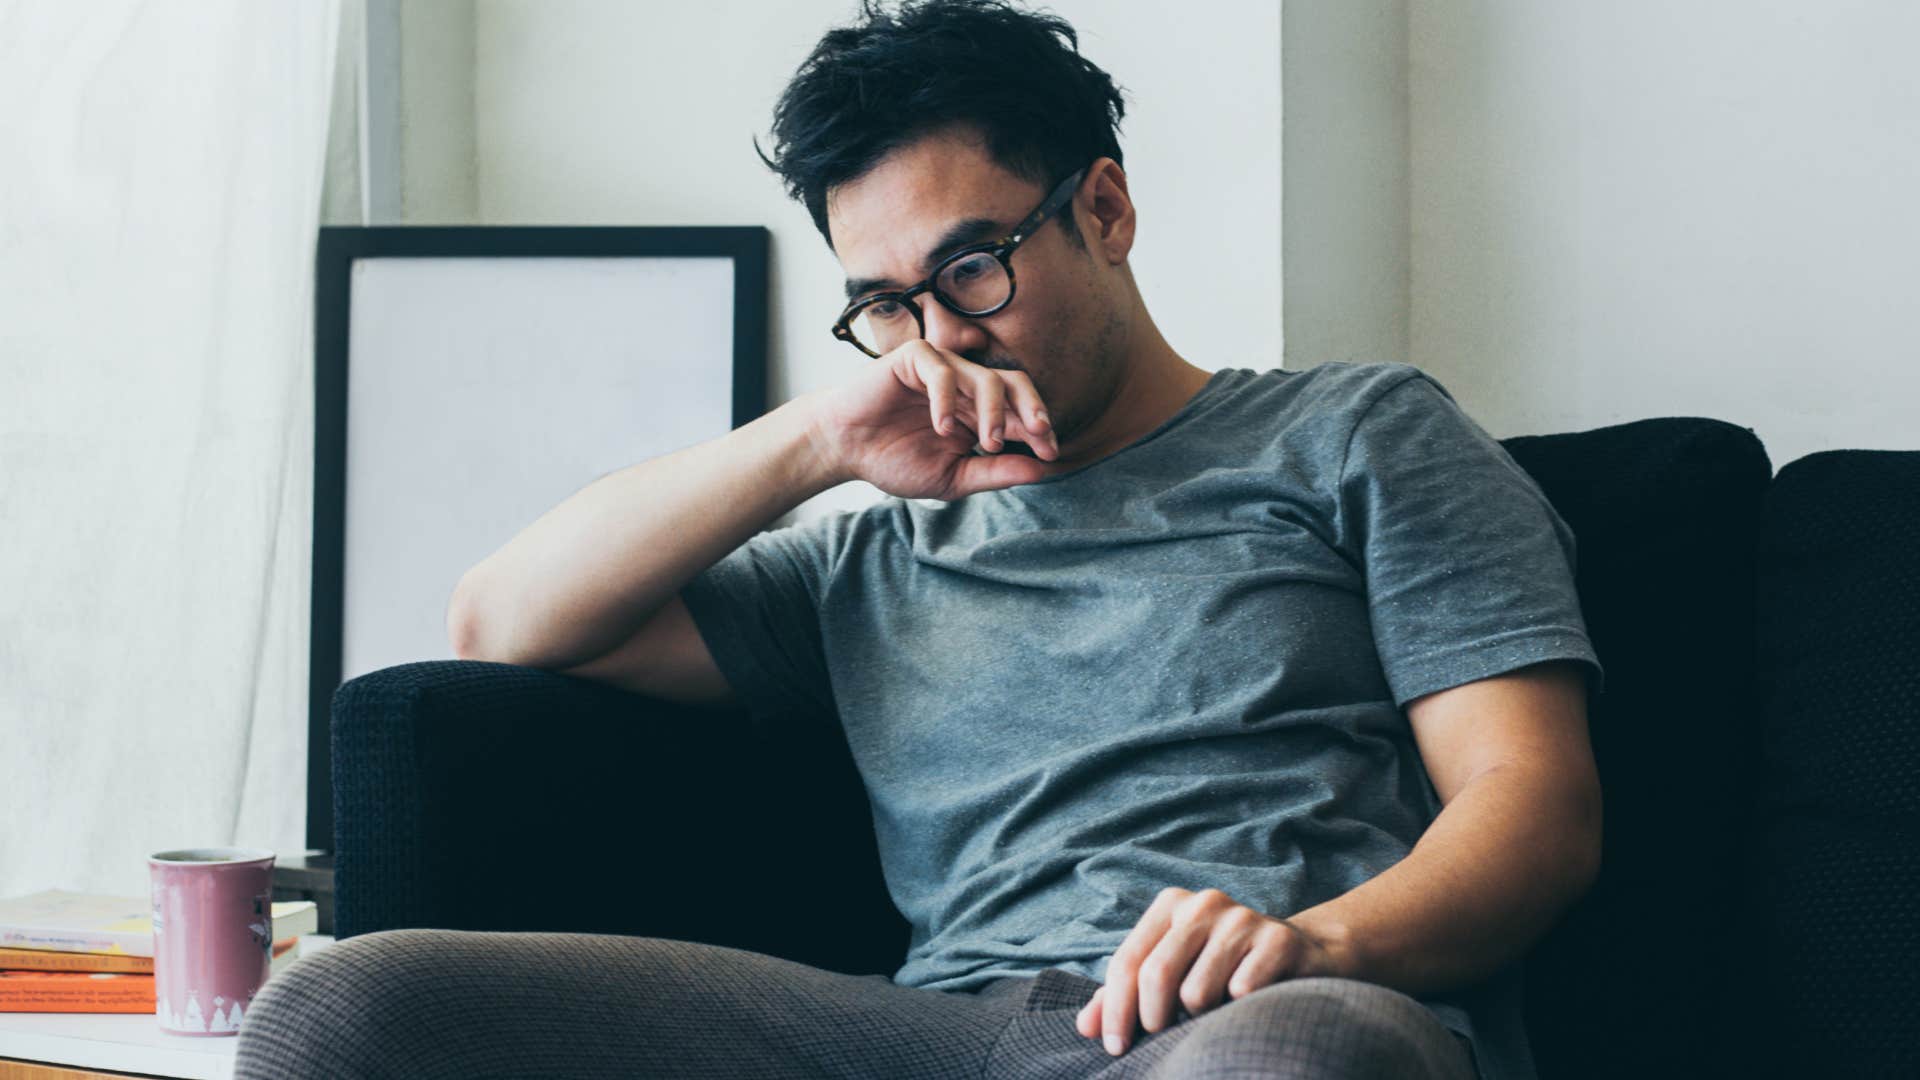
(121, 1042)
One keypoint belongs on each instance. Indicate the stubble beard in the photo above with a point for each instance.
(1072, 414)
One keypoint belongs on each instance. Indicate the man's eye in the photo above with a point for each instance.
(969, 268)
(885, 309)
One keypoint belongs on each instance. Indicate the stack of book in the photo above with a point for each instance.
(72, 952)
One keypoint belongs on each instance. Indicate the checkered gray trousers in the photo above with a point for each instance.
(473, 1004)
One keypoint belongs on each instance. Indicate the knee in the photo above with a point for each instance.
(1314, 1027)
(323, 1016)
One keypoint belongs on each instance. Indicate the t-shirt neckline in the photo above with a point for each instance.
(1180, 415)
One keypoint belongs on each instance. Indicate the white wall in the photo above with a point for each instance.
(642, 114)
(1642, 208)
(439, 182)
(1344, 78)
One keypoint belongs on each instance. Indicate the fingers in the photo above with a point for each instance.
(1013, 430)
(1234, 934)
(1033, 412)
(1275, 950)
(989, 396)
(941, 384)
(1119, 1010)
(994, 401)
(1208, 985)
(971, 474)
(1088, 1021)
(1166, 968)
(1190, 950)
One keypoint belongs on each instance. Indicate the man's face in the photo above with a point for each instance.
(1063, 327)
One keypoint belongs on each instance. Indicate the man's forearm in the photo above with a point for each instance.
(1493, 871)
(574, 584)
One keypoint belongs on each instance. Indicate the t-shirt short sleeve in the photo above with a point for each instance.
(758, 610)
(1469, 569)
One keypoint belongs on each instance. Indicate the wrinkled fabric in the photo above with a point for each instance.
(1183, 664)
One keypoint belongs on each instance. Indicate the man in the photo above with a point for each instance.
(1222, 723)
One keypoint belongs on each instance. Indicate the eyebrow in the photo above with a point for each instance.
(963, 233)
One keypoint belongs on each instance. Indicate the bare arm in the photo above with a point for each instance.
(585, 577)
(592, 587)
(1516, 842)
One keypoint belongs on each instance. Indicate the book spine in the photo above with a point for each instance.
(109, 942)
(74, 992)
(298, 917)
(290, 919)
(49, 960)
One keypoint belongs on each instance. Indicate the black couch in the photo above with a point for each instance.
(1758, 743)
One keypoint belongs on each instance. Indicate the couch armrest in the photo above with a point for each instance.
(483, 796)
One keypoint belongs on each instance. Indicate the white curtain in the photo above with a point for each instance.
(161, 170)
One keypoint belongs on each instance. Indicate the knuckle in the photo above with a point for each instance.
(1200, 903)
(1170, 894)
(1238, 917)
(1193, 996)
(1154, 977)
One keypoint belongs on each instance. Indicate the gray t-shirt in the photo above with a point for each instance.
(1183, 664)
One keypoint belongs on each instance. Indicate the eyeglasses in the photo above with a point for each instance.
(973, 282)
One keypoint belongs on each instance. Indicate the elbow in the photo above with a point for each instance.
(460, 639)
(460, 635)
(462, 625)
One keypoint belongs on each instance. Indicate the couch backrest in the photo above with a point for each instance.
(1834, 922)
(1665, 513)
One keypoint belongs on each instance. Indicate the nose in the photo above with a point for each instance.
(954, 333)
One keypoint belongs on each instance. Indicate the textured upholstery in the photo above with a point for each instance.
(1839, 639)
(466, 794)
(479, 796)
(1664, 513)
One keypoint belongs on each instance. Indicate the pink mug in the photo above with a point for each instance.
(212, 936)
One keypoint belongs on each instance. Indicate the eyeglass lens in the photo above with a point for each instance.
(976, 284)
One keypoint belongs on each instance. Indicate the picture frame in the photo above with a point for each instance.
(469, 378)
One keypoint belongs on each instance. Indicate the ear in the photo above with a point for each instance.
(1107, 222)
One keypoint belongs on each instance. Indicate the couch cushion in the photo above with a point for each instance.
(659, 819)
(1839, 651)
(1665, 513)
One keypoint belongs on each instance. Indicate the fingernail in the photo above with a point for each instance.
(1115, 1045)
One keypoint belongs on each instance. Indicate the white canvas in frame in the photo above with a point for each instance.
(482, 392)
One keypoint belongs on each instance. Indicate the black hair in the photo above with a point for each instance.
(1042, 108)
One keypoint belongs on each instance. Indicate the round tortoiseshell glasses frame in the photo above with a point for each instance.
(1001, 249)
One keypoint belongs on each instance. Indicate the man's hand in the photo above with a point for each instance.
(1196, 949)
(909, 421)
